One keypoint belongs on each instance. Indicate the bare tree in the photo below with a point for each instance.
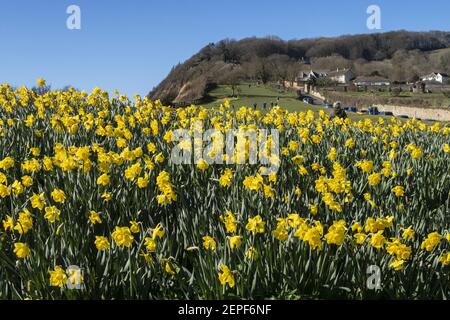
(279, 65)
(233, 79)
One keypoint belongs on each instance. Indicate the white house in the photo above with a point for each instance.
(341, 76)
(436, 77)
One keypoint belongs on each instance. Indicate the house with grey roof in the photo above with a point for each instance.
(439, 77)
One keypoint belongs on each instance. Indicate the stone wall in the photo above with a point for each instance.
(318, 95)
(422, 113)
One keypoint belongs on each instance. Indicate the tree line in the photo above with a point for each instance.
(399, 56)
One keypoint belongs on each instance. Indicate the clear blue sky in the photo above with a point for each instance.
(132, 45)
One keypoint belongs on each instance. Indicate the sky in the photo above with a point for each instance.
(132, 45)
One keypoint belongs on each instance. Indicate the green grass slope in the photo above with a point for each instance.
(247, 94)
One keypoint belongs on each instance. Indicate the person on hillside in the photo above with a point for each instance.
(338, 111)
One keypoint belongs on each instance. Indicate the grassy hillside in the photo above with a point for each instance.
(251, 93)
(248, 95)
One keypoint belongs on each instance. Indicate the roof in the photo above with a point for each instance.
(435, 74)
(312, 74)
(318, 71)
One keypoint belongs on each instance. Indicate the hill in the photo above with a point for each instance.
(399, 56)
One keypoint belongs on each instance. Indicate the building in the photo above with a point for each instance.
(305, 77)
(373, 81)
(438, 77)
(341, 76)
